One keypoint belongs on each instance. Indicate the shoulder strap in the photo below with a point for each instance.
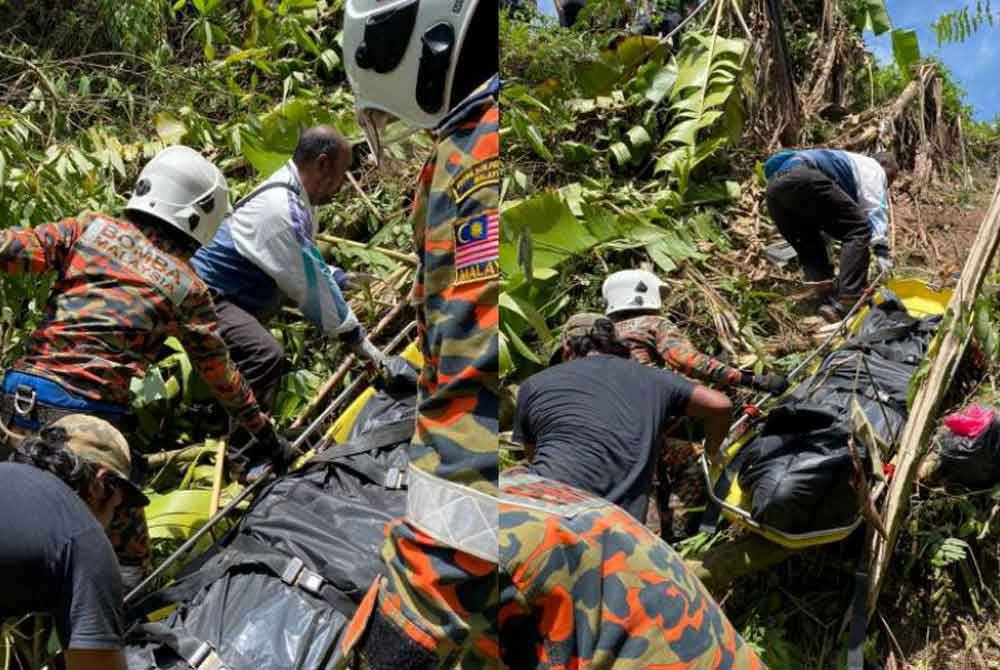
(266, 187)
(384, 436)
(246, 551)
(198, 654)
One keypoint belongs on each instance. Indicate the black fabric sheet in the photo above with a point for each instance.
(330, 516)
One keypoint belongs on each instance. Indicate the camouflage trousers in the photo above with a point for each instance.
(441, 601)
(679, 485)
(583, 584)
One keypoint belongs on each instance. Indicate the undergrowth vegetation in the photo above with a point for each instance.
(90, 90)
(623, 151)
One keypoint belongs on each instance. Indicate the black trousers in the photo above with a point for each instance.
(257, 355)
(805, 202)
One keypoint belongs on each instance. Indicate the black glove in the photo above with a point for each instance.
(770, 383)
(396, 376)
(266, 448)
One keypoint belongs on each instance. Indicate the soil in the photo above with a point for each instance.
(935, 230)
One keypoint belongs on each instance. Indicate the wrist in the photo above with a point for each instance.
(340, 277)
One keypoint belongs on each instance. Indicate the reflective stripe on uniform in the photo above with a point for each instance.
(455, 515)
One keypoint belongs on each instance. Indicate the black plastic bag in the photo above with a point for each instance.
(798, 470)
(971, 461)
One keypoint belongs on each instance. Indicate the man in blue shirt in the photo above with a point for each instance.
(844, 195)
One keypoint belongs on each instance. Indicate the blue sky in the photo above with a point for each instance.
(975, 63)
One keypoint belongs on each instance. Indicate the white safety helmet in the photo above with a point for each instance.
(631, 289)
(401, 57)
(184, 189)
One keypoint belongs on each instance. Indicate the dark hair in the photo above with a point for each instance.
(601, 338)
(47, 451)
(185, 243)
(318, 140)
(887, 161)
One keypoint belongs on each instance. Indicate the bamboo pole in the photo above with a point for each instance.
(966, 175)
(220, 463)
(952, 340)
(410, 259)
(344, 368)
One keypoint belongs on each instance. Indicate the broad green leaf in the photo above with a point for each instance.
(638, 137)
(209, 43)
(506, 361)
(524, 310)
(661, 256)
(169, 128)
(523, 348)
(620, 154)
(330, 59)
(538, 143)
(575, 152)
(662, 84)
(596, 77)
(905, 50)
(636, 48)
(876, 17)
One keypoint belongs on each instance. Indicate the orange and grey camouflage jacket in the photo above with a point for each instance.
(441, 597)
(119, 293)
(654, 340)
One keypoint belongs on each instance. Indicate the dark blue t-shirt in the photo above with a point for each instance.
(596, 424)
(56, 558)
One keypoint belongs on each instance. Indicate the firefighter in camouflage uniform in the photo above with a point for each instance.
(632, 302)
(585, 585)
(433, 65)
(122, 287)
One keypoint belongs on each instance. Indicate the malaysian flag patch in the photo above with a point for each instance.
(477, 247)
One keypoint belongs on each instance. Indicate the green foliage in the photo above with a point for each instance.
(612, 114)
(960, 24)
(136, 26)
(870, 15)
(906, 50)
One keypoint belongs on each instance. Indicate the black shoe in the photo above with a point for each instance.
(832, 311)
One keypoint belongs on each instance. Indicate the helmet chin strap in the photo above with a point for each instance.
(373, 123)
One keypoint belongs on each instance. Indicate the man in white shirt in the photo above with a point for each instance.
(265, 252)
(842, 194)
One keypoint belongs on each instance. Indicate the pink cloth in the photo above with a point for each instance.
(971, 421)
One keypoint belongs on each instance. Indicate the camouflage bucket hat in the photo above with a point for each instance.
(98, 442)
(575, 326)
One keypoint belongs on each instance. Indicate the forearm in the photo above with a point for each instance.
(715, 410)
(716, 430)
(231, 390)
(36, 250)
(683, 358)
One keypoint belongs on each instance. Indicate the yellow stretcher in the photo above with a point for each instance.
(920, 301)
